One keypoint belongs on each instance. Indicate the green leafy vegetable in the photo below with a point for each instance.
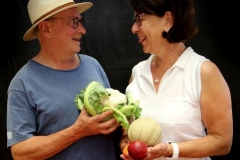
(97, 99)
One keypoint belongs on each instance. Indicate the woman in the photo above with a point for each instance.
(184, 91)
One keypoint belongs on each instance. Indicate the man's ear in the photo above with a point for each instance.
(44, 29)
(168, 21)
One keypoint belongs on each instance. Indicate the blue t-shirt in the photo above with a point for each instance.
(41, 102)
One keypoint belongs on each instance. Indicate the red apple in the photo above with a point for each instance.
(137, 150)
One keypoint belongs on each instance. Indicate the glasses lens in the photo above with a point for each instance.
(137, 20)
(75, 22)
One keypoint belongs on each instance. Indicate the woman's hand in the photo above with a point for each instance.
(156, 151)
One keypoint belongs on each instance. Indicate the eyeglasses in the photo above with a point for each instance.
(137, 19)
(75, 21)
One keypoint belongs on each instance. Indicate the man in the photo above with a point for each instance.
(42, 120)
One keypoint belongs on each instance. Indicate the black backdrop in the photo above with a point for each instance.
(110, 41)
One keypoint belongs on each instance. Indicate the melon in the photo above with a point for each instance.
(145, 129)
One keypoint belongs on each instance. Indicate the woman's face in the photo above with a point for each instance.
(150, 32)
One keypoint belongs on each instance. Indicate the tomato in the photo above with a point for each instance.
(125, 151)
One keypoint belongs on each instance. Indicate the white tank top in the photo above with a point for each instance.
(176, 105)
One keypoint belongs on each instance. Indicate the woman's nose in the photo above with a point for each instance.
(135, 28)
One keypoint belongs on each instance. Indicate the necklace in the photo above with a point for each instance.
(156, 80)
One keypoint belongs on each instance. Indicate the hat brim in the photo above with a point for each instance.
(29, 35)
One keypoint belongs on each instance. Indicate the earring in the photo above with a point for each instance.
(166, 30)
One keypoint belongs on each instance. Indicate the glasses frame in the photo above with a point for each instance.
(137, 19)
(75, 21)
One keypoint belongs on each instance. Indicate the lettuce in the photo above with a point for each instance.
(97, 99)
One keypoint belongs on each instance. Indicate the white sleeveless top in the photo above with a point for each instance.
(176, 105)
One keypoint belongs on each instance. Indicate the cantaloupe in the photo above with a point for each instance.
(145, 129)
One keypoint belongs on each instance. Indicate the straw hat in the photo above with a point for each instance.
(39, 10)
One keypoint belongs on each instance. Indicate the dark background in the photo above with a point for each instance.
(110, 41)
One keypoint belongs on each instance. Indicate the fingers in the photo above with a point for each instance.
(125, 158)
(109, 129)
(100, 123)
(106, 117)
(98, 117)
(106, 114)
(84, 111)
(109, 126)
(124, 141)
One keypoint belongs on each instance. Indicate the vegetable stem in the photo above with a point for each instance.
(120, 117)
(89, 107)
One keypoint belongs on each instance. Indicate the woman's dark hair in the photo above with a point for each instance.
(183, 13)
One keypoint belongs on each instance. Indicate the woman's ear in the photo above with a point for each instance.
(168, 21)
